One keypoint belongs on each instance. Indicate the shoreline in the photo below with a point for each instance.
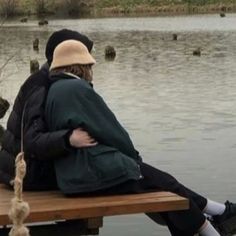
(97, 11)
(168, 10)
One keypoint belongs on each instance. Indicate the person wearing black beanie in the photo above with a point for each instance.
(62, 35)
(40, 146)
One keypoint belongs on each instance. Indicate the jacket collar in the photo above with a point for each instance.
(72, 75)
(64, 75)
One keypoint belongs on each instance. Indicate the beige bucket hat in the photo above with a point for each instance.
(71, 52)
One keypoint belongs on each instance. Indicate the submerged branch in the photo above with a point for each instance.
(3, 20)
(5, 64)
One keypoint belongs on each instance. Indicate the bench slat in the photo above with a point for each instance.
(52, 205)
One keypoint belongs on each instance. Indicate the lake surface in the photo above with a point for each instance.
(179, 108)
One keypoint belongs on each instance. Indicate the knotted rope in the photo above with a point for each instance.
(19, 209)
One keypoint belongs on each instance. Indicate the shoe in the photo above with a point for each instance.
(210, 219)
(226, 223)
(221, 232)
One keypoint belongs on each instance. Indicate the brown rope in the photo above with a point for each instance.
(19, 209)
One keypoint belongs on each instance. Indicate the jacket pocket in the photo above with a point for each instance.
(107, 162)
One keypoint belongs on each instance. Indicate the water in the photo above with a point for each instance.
(179, 108)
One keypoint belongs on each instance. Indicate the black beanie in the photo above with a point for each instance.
(62, 35)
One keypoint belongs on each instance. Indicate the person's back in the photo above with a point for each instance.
(40, 146)
(73, 103)
(12, 136)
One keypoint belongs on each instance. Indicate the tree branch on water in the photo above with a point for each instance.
(5, 64)
(2, 21)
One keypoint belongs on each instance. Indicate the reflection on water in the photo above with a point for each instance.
(179, 109)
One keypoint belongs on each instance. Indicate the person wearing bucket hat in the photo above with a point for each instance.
(113, 166)
(40, 146)
(71, 52)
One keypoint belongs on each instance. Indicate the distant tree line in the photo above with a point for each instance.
(10, 8)
(76, 7)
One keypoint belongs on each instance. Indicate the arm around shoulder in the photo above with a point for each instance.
(39, 142)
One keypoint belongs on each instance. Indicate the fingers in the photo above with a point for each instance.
(80, 130)
(81, 138)
(91, 140)
(82, 133)
(90, 144)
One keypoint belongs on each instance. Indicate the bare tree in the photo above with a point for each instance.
(78, 7)
(4, 104)
(2, 21)
(40, 6)
(8, 7)
(73, 7)
(73, 3)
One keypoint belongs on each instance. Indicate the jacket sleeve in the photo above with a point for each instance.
(38, 142)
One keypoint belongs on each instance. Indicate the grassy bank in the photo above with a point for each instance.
(95, 8)
(161, 7)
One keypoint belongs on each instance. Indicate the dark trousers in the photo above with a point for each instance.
(180, 223)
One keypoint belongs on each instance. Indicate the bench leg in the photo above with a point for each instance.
(93, 225)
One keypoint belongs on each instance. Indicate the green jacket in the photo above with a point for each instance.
(73, 103)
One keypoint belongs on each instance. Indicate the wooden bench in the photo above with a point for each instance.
(53, 206)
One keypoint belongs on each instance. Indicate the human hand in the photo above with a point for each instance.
(81, 138)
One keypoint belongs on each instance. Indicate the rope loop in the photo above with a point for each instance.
(19, 209)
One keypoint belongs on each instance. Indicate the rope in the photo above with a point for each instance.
(19, 209)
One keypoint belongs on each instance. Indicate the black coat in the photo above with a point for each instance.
(40, 147)
(73, 103)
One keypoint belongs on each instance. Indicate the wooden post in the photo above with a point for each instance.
(36, 44)
(110, 53)
(34, 66)
(174, 36)
(93, 225)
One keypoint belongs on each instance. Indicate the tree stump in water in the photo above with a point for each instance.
(1, 134)
(34, 66)
(42, 22)
(197, 52)
(174, 36)
(24, 20)
(36, 44)
(110, 53)
(222, 14)
(4, 105)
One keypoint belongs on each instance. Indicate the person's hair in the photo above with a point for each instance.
(82, 71)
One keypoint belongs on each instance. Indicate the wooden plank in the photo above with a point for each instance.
(52, 205)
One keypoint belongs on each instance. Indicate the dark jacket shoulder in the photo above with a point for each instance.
(12, 136)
